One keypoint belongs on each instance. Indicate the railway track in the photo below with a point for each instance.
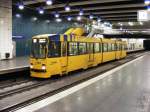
(12, 83)
(26, 85)
(22, 86)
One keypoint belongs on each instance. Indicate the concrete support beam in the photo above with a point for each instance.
(107, 7)
(87, 2)
(107, 12)
(120, 15)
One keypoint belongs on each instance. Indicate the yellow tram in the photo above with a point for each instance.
(53, 54)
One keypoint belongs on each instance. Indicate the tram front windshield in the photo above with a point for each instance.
(38, 49)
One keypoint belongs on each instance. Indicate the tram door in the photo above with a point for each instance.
(118, 51)
(90, 47)
(120, 46)
(64, 59)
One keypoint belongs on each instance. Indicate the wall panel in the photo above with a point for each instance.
(27, 28)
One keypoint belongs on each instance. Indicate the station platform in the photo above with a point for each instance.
(135, 50)
(14, 65)
(122, 89)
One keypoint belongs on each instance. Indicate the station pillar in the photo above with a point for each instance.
(6, 46)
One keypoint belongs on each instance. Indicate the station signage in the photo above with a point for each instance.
(17, 37)
(143, 15)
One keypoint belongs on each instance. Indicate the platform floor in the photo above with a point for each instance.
(123, 89)
(12, 65)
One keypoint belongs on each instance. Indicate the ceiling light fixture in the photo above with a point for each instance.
(120, 24)
(58, 20)
(41, 10)
(34, 18)
(79, 18)
(69, 18)
(91, 16)
(147, 2)
(99, 20)
(18, 15)
(21, 5)
(49, 2)
(130, 23)
(81, 12)
(141, 23)
(47, 21)
(67, 8)
(56, 15)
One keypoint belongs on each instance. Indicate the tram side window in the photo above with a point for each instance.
(105, 47)
(126, 48)
(96, 48)
(54, 49)
(109, 47)
(90, 47)
(73, 49)
(113, 47)
(117, 47)
(120, 47)
(123, 47)
(100, 47)
(82, 48)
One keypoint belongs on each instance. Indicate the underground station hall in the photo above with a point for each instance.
(74, 55)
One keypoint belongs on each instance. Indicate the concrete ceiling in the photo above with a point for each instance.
(111, 10)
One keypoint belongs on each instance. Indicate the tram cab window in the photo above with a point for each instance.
(109, 47)
(96, 48)
(73, 48)
(54, 49)
(38, 49)
(105, 47)
(82, 48)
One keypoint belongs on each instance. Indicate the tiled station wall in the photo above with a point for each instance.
(25, 27)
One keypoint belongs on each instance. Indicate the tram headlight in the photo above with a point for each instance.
(43, 67)
(31, 66)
